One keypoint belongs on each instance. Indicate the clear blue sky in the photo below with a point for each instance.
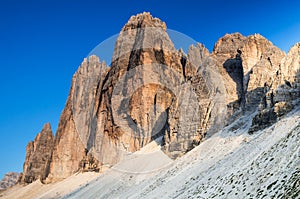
(43, 42)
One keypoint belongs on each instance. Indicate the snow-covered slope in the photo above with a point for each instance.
(230, 164)
(54, 190)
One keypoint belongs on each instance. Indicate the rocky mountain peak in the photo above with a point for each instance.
(153, 90)
(139, 40)
(144, 20)
(257, 55)
(76, 129)
(38, 156)
(197, 54)
(291, 71)
(47, 130)
(45, 135)
(231, 43)
(91, 59)
(228, 42)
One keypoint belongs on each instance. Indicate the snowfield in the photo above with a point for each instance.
(230, 164)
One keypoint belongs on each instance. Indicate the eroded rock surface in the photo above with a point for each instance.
(248, 65)
(153, 89)
(281, 97)
(9, 180)
(143, 94)
(38, 156)
(77, 120)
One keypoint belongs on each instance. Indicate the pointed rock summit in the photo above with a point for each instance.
(38, 156)
(154, 90)
(144, 20)
(291, 70)
(78, 119)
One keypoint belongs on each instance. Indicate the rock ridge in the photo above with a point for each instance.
(153, 90)
(38, 156)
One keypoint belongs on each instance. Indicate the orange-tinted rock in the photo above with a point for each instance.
(77, 119)
(38, 156)
(153, 89)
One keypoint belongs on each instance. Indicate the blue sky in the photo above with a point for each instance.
(43, 42)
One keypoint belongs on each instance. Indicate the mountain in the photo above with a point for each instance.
(154, 95)
(9, 179)
(230, 164)
(38, 156)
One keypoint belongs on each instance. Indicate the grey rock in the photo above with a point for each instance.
(9, 180)
(153, 90)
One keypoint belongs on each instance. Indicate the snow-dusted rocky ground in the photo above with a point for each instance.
(230, 164)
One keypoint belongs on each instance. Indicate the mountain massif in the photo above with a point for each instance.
(152, 90)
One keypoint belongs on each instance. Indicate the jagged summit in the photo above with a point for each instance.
(235, 39)
(38, 156)
(294, 48)
(139, 39)
(153, 90)
(291, 71)
(47, 128)
(92, 58)
(144, 20)
(238, 41)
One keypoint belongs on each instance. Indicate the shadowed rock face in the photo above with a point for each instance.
(234, 68)
(283, 95)
(249, 66)
(152, 89)
(38, 156)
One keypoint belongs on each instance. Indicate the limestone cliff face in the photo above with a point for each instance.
(140, 97)
(283, 94)
(153, 90)
(249, 66)
(287, 90)
(114, 111)
(38, 156)
(257, 76)
(291, 69)
(77, 119)
(124, 125)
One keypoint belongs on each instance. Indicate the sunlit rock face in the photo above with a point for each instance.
(38, 156)
(153, 90)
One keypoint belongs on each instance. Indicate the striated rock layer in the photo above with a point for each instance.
(153, 90)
